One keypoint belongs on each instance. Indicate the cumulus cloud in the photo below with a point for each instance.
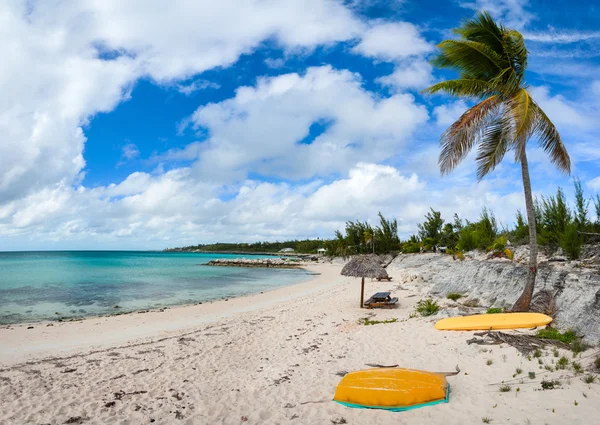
(263, 129)
(66, 61)
(402, 44)
(511, 12)
(175, 208)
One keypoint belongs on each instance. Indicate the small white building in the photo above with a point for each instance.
(287, 250)
(322, 251)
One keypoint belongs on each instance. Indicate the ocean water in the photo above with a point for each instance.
(38, 286)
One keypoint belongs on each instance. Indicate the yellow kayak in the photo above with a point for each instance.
(392, 389)
(493, 321)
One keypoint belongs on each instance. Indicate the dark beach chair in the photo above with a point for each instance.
(381, 300)
(388, 278)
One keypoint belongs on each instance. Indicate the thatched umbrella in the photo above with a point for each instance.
(363, 266)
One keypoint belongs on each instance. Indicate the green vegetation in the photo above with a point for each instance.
(427, 307)
(486, 420)
(489, 362)
(577, 368)
(367, 322)
(454, 296)
(494, 310)
(537, 353)
(562, 363)
(518, 371)
(588, 379)
(531, 375)
(597, 363)
(579, 346)
(550, 385)
(551, 333)
(504, 388)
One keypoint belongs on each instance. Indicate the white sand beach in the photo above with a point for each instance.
(269, 359)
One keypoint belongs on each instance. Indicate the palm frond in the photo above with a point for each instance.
(458, 140)
(469, 58)
(483, 29)
(514, 45)
(494, 142)
(524, 118)
(550, 140)
(466, 87)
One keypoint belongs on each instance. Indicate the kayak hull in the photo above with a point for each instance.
(392, 389)
(493, 322)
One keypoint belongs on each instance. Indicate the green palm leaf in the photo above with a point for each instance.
(550, 140)
(458, 140)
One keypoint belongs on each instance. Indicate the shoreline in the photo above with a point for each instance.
(146, 322)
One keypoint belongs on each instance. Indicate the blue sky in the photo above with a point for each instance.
(142, 125)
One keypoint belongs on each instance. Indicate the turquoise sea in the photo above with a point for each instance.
(38, 286)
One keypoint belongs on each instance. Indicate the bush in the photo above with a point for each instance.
(427, 307)
(509, 254)
(570, 242)
(499, 244)
(494, 310)
(551, 333)
(454, 296)
(411, 248)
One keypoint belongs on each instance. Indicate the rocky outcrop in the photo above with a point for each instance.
(499, 282)
(276, 263)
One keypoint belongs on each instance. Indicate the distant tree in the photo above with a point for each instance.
(581, 207)
(432, 227)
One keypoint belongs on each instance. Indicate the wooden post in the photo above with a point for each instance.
(362, 293)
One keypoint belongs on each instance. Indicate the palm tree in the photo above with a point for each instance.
(491, 61)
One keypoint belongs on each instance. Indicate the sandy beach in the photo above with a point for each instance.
(269, 358)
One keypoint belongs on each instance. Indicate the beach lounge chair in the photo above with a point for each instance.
(381, 300)
(388, 278)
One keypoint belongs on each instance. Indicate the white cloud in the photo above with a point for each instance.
(554, 36)
(66, 61)
(402, 44)
(512, 13)
(561, 111)
(594, 183)
(130, 151)
(447, 114)
(410, 74)
(261, 128)
(392, 41)
(188, 89)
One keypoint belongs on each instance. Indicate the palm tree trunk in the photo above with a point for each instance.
(524, 300)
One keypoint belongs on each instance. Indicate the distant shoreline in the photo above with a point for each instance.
(274, 254)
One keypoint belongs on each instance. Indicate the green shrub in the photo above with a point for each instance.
(505, 388)
(588, 379)
(562, 363)
(597, 363)
(411, 247)
(427, 307)
(550, 385)
(551, 333)
(454, 296)
(531, 375)
(499, 244)
(570, 242)
(579, 346)
(494, 310)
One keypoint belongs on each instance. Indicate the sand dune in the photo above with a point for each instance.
(268, 359)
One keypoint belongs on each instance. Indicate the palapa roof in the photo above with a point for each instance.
(364, 266)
